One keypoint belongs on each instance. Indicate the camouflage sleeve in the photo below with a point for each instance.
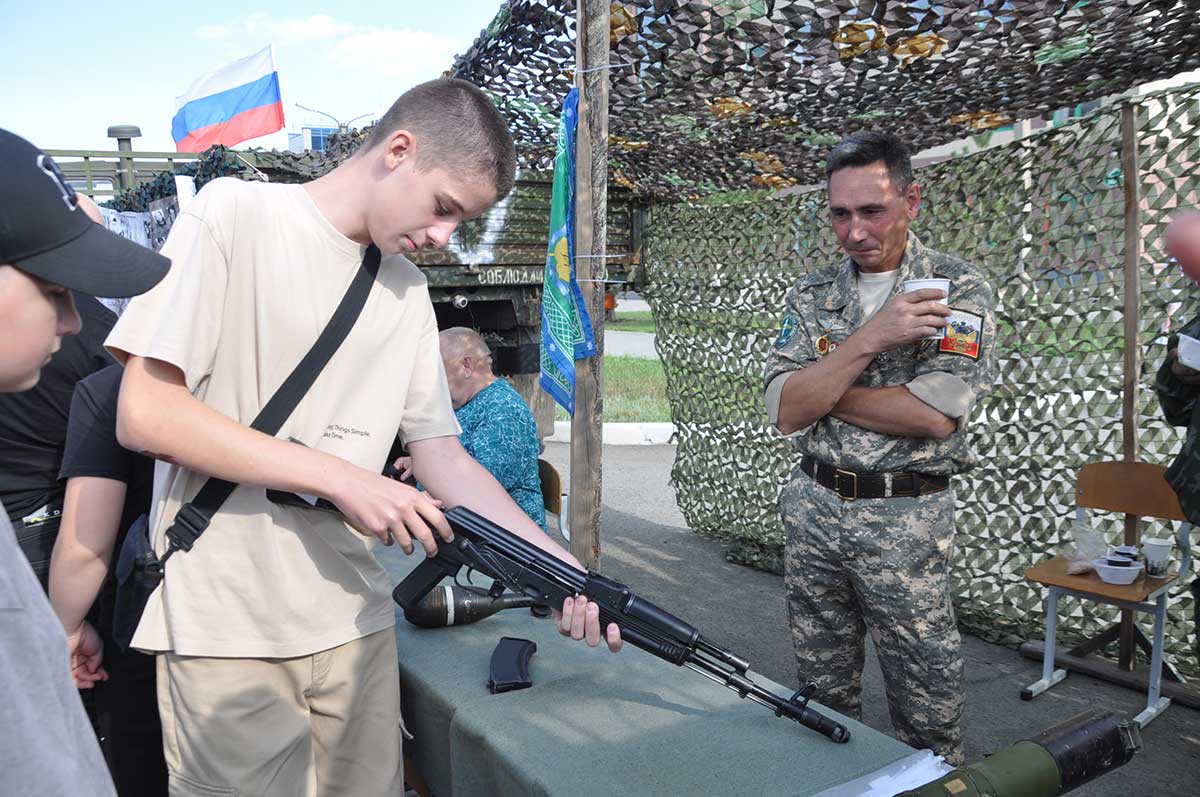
(955, 372)
(793, 347)
(1176, 399)
(791, 351)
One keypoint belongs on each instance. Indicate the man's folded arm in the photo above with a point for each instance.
(900, 411)
(799, 396)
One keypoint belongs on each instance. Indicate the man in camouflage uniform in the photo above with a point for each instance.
(1178, 388)
(878, 412)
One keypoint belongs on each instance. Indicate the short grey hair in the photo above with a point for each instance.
(872, 146)
(465, 342)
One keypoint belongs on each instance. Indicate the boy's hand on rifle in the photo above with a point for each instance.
(388, 509)
(580, 619)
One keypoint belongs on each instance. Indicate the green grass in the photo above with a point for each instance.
(635, 391)
(632, 321)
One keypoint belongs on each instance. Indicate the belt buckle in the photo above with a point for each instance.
(838, 473)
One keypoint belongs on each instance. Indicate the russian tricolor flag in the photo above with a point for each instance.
(237, 102)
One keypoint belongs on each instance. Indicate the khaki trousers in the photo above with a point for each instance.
(325, 724)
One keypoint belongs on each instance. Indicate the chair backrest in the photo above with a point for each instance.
(1135, 488)
(551, 487)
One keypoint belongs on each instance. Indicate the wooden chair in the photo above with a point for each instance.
(554, 498)
(1133, 488)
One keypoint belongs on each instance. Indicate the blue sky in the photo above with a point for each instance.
(72, 69)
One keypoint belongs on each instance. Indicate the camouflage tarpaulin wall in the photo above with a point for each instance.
(714, 95)
(1044, 217)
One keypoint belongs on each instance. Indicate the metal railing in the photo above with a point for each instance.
(85, 168)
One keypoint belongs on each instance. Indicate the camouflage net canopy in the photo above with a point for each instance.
(724, 94)
(1044, 218)
(220, 161)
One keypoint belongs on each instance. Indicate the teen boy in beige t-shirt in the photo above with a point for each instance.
(279, 668)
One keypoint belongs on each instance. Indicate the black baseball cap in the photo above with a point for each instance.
(43, 230)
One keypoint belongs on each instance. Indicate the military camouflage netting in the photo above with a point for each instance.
(1043, 217)
(220, 161)
(708, 96)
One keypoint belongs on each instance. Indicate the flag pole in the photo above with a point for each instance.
(591, 208)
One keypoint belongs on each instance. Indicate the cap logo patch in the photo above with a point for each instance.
(51, 170)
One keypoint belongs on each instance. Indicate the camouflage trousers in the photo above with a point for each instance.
(876, 565)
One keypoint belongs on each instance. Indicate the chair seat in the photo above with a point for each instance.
(1053, 573)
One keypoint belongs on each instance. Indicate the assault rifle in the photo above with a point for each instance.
(527, 570)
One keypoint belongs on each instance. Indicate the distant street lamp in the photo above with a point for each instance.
(342, 126)
(125, 134)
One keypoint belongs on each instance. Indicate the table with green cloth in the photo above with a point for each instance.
(595, 723)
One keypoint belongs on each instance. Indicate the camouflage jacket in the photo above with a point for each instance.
(1180, 408)
(823, 309)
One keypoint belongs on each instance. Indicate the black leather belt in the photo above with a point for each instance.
(850, 485)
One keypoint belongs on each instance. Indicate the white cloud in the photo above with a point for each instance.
(396, 52)
(286, 31)
(261, 25)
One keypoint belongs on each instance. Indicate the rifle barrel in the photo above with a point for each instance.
(525, 568)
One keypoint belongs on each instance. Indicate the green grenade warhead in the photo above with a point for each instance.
(1054, 762)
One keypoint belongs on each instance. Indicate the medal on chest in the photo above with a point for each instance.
(825, 344)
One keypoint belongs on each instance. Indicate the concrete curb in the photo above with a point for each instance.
(622, 434)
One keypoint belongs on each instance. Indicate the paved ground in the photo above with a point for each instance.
(646, 544)
(629, 344)
(631, 302)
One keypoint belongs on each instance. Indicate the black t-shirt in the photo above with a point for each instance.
(92, 450)
(33, 423)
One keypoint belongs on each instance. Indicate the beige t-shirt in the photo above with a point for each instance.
(256, 273)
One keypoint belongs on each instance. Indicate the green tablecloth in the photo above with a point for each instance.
(600, 724)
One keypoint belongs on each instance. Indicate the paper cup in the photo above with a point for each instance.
(937, 284)
(1158, 556)
(1189, 352)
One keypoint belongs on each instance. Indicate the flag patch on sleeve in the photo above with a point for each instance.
(964, 334)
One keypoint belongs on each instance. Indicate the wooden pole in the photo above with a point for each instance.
(1133, 282)
(591, 209)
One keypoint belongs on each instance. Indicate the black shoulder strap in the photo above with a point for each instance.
(194, 517)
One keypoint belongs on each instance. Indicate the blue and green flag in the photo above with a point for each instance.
(566, 326)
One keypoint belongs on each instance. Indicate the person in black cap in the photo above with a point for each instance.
(33, 428)
(48, 248)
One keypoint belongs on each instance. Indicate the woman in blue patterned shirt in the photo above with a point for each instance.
(498, 428)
